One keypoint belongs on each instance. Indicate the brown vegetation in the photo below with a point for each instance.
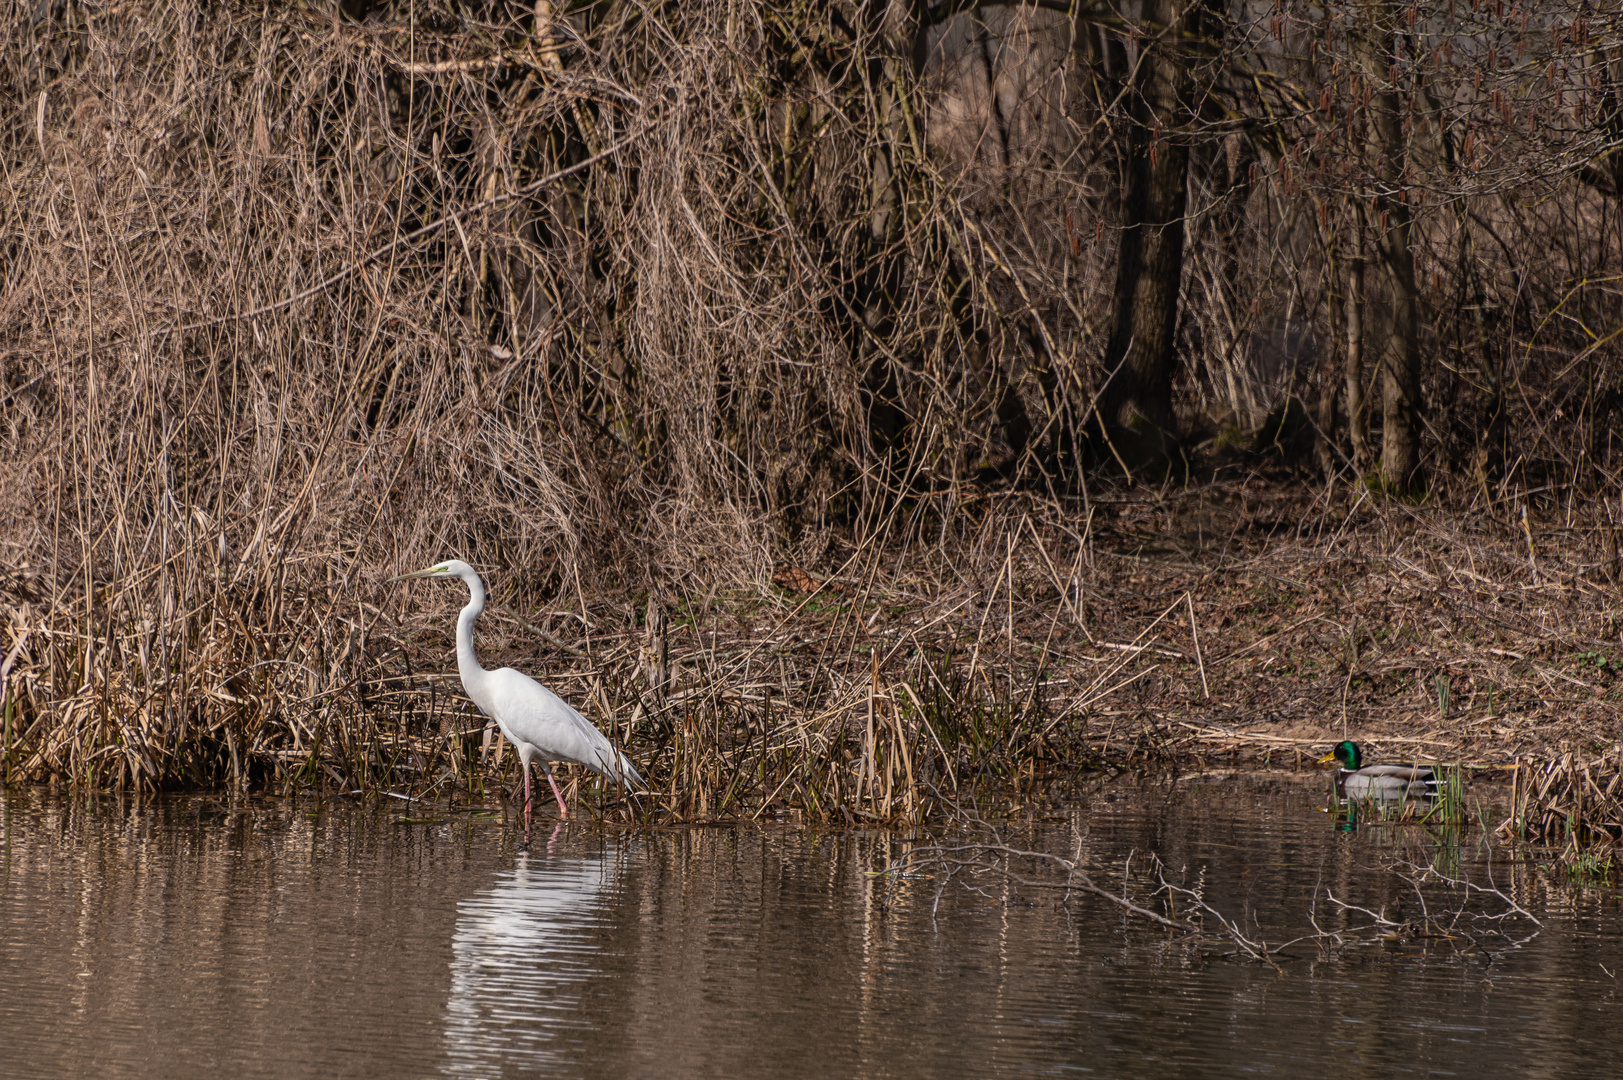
(1573, 802)
(1223, 621)
(619, 303)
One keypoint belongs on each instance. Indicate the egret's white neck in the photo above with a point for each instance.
(473, 676)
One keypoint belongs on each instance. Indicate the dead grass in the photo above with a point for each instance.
(1032, 644)
(1572, 804)
(293, 304)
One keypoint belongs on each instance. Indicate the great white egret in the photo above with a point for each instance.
(541, 726)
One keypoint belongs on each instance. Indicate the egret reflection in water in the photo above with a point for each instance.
(520, 955)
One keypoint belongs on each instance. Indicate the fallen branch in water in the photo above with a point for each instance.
(973, 856)
(1459, 921)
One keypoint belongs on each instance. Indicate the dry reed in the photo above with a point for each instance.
(613, 308)
(1573, 802)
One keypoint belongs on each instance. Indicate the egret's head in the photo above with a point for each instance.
(1346, 753)
(450, 568)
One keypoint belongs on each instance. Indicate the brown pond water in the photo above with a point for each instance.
(211, 937)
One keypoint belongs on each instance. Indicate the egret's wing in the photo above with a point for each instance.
(532, 713)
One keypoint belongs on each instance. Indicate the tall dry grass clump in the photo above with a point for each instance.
(1572, 802)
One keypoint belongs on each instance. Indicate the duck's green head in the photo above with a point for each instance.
(1346, 753)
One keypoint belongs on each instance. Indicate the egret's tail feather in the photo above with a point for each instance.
(630, 773)
(621, 771)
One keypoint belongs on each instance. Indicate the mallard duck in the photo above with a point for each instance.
(1382, 783)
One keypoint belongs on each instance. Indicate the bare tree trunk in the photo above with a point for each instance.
(891, 64)
(1136, 405)
(1489, 456)
(1400, 359)
(1356, 435)
(1400, 366)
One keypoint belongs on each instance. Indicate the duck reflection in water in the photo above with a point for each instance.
(521, 954)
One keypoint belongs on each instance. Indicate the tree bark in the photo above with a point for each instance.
(1356, 435)
(1135, 407)
(1400, 359)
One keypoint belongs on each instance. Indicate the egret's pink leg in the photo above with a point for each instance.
(526, 802)
(563, 811)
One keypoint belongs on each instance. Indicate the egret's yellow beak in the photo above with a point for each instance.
(432, 571)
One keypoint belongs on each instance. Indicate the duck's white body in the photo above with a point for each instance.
(1387, 783)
